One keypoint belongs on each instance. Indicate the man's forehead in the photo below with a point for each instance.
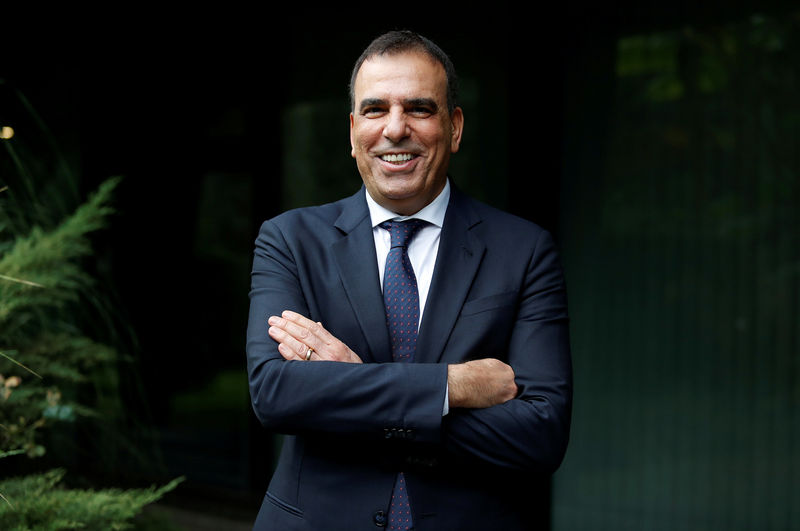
(397, 65)
(405, 74)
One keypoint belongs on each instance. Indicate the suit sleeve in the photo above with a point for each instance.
(329, 397)
(531, 431)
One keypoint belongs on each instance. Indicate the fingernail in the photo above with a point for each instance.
(273, 320)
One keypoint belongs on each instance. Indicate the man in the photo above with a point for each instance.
(448, 409)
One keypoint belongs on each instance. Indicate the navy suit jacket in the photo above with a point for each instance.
(497, 291)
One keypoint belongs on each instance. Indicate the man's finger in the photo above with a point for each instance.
(304, 331)
(314, 327)
(288, 347)
(297, 318)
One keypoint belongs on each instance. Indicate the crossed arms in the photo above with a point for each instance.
(509, 390)
(474, 384)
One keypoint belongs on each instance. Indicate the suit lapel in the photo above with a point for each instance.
(457, 262)
(357, 263)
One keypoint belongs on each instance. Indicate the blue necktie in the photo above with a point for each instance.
(401, 299)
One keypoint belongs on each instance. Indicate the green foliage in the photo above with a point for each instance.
(49, 363)
(43, 352)
(39, 502)
(40, 271)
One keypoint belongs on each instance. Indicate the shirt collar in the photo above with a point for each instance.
(433, 212)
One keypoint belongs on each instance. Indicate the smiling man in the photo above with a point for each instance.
(411, 342)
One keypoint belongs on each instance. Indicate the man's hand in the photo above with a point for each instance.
(480, 383)
(295, 334)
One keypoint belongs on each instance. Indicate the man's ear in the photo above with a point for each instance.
(457, 128)
(352, 143)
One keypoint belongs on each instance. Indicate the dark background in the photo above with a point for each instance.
(219, 120)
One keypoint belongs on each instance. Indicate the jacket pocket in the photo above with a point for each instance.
(489, 303)
(280, 504)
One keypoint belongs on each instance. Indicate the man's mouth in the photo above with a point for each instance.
(397, 158)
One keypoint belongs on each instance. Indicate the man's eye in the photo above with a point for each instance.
(373, 111)
(421, 111)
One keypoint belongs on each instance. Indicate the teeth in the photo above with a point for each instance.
(401, 157)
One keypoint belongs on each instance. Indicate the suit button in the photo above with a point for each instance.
(410, 433)
(380, 519)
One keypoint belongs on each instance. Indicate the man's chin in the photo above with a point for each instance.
(400, 194)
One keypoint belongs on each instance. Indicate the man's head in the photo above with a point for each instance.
(404, 123)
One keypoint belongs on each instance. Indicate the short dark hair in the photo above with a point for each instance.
(395, 42)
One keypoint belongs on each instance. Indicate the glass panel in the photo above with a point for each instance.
(682, 249)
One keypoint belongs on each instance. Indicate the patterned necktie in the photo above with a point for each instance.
(401, 299)
(400, 294)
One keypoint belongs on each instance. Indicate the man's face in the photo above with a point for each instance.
(400, 130)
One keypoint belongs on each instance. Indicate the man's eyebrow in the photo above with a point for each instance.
(371, 102)
(422, 102)
(411, 102)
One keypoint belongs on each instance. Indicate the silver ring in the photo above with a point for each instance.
(309, 352)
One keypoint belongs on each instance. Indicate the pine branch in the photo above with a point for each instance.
(40, 500)
(49, 259)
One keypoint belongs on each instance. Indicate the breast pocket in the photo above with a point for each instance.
(492, 302)
(483, 328)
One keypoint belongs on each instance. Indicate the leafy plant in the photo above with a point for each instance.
(47, 359)
(41, 502)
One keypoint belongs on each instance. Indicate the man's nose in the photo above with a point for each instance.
(396, 127)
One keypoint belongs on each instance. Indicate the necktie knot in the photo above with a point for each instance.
(403, 231)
